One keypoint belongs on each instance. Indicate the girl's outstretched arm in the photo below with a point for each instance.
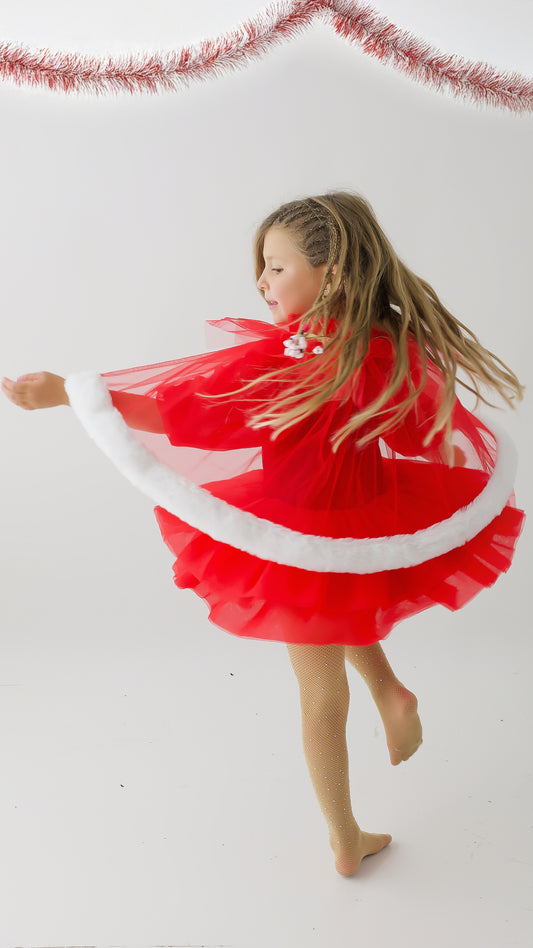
(45, 390)
(37, 390)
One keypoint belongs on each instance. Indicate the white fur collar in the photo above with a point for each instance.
(91, 401)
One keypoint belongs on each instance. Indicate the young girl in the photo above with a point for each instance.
(319, 480)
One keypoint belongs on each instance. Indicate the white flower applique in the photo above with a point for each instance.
(295, 347)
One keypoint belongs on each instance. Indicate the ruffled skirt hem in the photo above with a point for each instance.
(256, 598)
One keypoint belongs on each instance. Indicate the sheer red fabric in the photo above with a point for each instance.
(392, 486)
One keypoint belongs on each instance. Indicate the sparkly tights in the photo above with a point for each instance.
(324, 699)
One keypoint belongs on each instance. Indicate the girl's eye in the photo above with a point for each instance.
(276, 270)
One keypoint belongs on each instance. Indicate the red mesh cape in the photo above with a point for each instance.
(283, 538)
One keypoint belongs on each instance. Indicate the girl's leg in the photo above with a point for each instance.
(324, 699)
(397, 706)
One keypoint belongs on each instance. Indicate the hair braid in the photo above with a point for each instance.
(366, 284)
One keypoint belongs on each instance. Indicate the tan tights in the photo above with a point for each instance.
(324, 699)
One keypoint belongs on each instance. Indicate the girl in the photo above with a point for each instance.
(319, 480)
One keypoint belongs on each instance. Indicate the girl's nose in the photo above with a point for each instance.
(261, 283)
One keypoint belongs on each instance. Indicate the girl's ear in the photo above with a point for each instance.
(328, 285)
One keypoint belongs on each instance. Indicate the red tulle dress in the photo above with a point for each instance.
(284, 539)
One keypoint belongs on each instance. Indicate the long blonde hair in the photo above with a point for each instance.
(366, 285)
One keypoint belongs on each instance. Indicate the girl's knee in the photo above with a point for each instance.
(325, 712)
(321, 697)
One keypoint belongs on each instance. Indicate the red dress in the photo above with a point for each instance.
(283, 538)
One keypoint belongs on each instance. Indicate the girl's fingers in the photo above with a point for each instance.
(15, 391)
(31, 377)
(36, 390)
(13, 383)
(7, 385)
(13, 386)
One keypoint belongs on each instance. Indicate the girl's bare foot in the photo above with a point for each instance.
(352, 848)
(398, 708)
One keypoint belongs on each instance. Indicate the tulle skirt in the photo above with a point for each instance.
(285, 538)
(256, 598)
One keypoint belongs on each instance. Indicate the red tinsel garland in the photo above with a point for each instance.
(477, 82)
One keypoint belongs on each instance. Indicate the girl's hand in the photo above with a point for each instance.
(38, 390)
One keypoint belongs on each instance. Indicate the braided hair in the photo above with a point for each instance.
(365, 285)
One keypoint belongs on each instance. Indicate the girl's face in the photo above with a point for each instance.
(289, 283)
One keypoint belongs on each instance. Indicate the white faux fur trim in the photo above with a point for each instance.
(91, 401)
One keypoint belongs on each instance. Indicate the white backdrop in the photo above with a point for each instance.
(126, 222)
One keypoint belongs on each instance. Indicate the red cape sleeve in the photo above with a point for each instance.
(138, 411)
(170, 398)
(408, 436)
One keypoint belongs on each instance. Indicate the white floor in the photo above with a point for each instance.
(154, 789)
